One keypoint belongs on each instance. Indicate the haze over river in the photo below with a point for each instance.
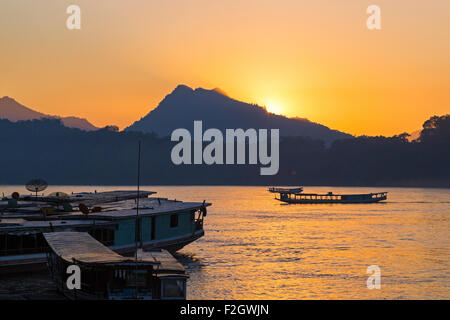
(257, 248)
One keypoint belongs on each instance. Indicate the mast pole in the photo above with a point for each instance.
(138, 194)
(137, 214)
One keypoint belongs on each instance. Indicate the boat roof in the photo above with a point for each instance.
(168, 263)
(148, 206)
(83, 248)
(80, 246)
(90, 198)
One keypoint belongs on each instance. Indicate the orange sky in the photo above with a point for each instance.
(312, 59)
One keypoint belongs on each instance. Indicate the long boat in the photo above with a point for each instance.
(331, 197)
(104, 274)
(285, 190)
(111, 218)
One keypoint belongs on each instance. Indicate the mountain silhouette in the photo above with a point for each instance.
(216, 109)
(14, 111)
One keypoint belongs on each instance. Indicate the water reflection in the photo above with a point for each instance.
(257, 248)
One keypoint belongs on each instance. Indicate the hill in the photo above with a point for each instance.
(180, 108)
(14, 111)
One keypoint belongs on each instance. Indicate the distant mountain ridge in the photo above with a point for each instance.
(216, 109)
(14, 111)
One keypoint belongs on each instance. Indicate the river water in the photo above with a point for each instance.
(257, 248)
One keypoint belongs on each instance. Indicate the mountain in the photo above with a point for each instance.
(12, 110)
(180, 108)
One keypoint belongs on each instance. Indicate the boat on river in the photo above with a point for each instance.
(110, 217)
(104, 274)
(330, 197)
(285, 190)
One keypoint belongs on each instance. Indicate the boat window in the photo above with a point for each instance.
(152, 232)
(174, 221)
(137, 279)
(173, 288)
(126, 278)
(23, 243)
(104, 235)
(3, 245)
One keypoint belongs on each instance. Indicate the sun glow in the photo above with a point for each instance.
(274, 108)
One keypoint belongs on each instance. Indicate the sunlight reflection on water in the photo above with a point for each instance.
(256, 248)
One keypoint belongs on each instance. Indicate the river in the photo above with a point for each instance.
(257, 248)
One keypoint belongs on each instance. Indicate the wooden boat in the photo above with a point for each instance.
(331, 198)
(105, 274)
(23, 247)
(161, 224)
(285, 190)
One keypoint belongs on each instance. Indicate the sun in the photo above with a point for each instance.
(274, 108)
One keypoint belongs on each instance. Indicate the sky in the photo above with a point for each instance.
(311, 59)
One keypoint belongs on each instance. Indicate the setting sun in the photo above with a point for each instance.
(274, 108)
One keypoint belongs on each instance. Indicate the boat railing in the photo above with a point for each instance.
(198, 217)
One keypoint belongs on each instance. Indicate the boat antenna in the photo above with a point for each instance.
(137, 212)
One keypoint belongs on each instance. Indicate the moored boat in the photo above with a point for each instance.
(110, 218)
(331, 197)
(285, 190)
(104, 274)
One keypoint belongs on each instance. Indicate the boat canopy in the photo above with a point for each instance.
(83, 248)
